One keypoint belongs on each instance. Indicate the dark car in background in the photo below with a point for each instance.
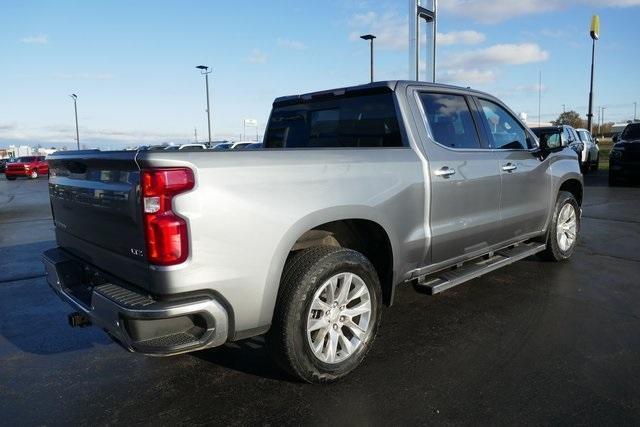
(566, 134)
(27, 166)
(3, 164)
(624, 158)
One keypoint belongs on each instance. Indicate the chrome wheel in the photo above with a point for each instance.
(338, 321)
(567, 227)
(34, 174)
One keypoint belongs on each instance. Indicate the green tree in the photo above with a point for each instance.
(571, 118)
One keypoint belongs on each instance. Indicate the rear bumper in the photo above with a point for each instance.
(17, 172)
(135, 320)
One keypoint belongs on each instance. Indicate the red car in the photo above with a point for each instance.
(29, 166)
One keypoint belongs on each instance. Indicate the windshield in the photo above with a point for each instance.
(632, 131)
(25, 159)
(584, 136)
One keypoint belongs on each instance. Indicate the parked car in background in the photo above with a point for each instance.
(624, 158)
(28, 166)
(360, 189)
(3, 164)
(566, 134)
(240, 145)
(591, 153)
(223, 146)
(253, 146)
(190, 147)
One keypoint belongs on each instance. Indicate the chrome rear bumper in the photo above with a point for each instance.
(137, 321)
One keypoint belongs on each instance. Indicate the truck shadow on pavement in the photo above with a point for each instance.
(247, 356)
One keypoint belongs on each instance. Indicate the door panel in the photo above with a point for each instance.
(525, 182)
(465, 179)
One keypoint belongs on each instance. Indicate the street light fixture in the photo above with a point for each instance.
(75, 108)
(370, 37)
(206, 71)
(595, 35)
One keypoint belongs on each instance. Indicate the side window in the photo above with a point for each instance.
(504, 130)
(450, 120)
(566, 136)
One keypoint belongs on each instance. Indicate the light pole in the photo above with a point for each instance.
(564, 110)
(635, 107)
(75, 109)
(206, 71)
(602, 117)
(595, 35)
(370, 37)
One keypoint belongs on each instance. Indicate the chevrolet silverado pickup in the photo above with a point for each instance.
(355, 191)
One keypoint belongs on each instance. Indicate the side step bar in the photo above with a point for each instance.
(443, 280)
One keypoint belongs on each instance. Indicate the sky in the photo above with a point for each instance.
(132, 64)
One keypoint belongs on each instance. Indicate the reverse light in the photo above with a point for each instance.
(166, 233)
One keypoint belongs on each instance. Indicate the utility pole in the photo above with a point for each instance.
(417, 12)
(635, 107)
(595, 35)
(204, 69)
(370, 37)
(195, 134)
(564, 110)
(539, 97)
(75, 108)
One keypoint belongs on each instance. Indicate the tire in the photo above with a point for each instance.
(559, 249)
(596, 164)
(33, 174)
(305, 280)
(10, 178)
(614, 179)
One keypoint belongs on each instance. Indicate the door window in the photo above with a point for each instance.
(450, 120)
(505, 132)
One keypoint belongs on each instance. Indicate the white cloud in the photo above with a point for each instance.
(257, 57)
(499, 54)
(38, 39)
(465, 77)
(460, 37)
(292, 44)
(392, 31)
(500, 10)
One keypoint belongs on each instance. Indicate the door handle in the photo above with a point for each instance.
(444, 171)
(509, 167)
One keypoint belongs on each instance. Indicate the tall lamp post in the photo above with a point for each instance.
(595, 35)
(370, 37)
(206, 71)
(75, 108)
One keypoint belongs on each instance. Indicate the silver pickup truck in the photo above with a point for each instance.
(356, 191)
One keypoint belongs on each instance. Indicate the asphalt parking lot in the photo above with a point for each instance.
(534, 343)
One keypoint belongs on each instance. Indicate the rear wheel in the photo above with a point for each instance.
(10, 178)
(327, 314)
(614, 179)
(595, 165)
(563, 231)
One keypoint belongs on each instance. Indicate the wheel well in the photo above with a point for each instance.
(574, 187)
(364, 236)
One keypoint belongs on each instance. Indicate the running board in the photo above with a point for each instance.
(443, 280)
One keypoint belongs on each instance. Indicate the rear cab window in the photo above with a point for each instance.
(359, 121)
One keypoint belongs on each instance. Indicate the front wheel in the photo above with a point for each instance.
(563, 231)
(327, 314)
(33, 174)
(596, 164)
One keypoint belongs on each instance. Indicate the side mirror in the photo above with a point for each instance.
(615, 137)
(596, 141)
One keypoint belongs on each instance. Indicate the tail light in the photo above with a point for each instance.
(165, 232)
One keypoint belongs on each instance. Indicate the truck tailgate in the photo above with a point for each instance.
(95, 202)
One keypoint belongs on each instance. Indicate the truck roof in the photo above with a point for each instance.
(365, 89)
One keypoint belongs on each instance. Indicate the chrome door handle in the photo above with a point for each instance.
(444, 171)
(509, 167)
